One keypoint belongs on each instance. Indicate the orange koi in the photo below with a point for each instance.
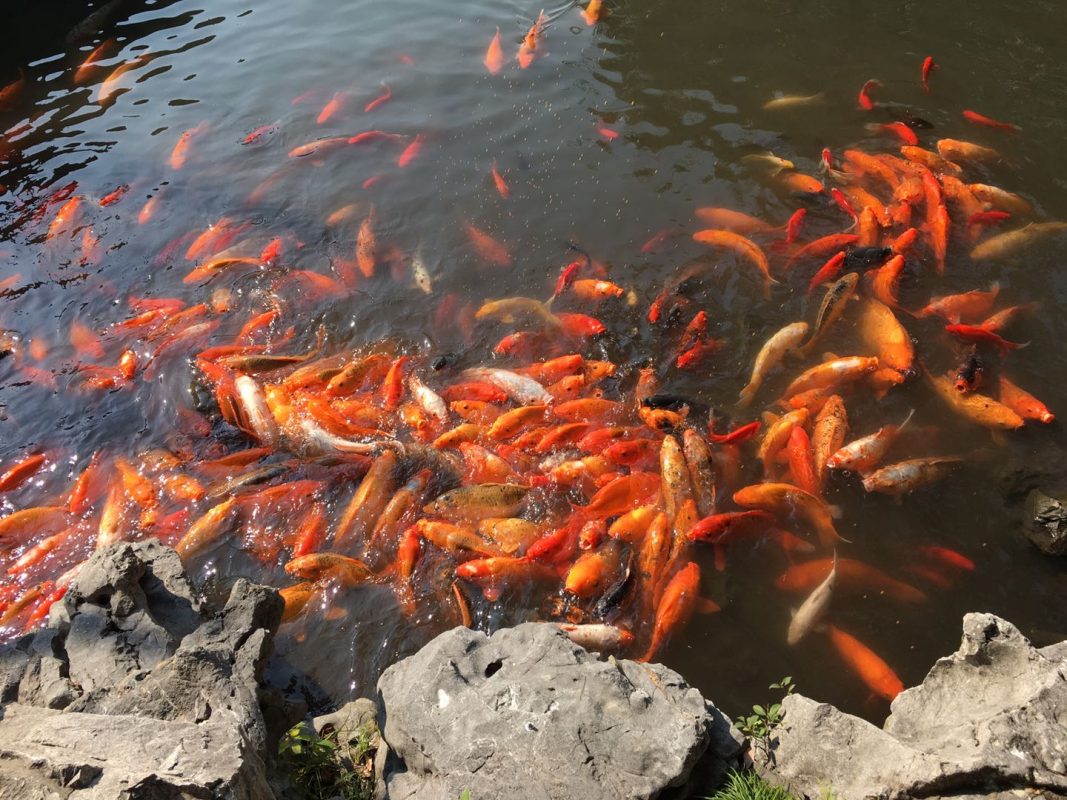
(872, 670)
(501, 185)
(411, 152)
(1023, 403)
(494, 56)
(64, 218)
(180, 154)
(488, 249)
(17, 474)
(593, 12)
(676, 606)
(744, 248)
(88, 69)
(528, 48)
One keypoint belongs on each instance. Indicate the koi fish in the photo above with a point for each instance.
(831, 309)
(928, 66)
(501, 185)
(745, 248)
(814, 609)
(982, 119)
(956, 150)
(1010, 243)
(865, 453)
(384, 97)
(791, 101)
(785, 499)
(494, 56)
(978, 408)
(774, 351)
(180, 154)
(676, 607)
(872, 670)
(983, 335)
(488, 249)
(411, 152)
(593, 12)
(865, 101)
(1022, 402)
(906, 476)
(528, 48)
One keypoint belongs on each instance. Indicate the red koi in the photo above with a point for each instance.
(737, 435)
(983, 335)
(381, 99)
(988, 217)
(865, 100)
(114, 195)
(331, 108)
(989, 122)
(411, 152)
(929, 65)
(259, 133)
(795, 223)
(828, 271)
(948, 557)
(498, 181)
(898, 129)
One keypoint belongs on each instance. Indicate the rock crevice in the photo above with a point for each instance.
(137, 690)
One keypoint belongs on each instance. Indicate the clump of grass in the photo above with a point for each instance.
(332, 765)
(749, 786)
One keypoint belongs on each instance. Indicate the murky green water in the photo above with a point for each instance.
(683, 84)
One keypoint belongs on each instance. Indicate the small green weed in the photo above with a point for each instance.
(761, 723)
(334, 765)
(749, 786)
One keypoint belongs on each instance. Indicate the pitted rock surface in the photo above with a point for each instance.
(989, 719)
(134, 690)
(527, 713)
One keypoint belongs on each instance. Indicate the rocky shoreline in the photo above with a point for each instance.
(137, 690)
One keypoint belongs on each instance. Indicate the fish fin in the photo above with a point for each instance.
(706, 606)
(836, 513)
(907, 419)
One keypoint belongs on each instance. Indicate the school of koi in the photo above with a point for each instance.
(547, 470)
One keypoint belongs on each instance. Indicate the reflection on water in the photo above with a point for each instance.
(613, 136)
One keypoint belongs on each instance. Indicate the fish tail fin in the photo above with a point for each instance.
(707, 606)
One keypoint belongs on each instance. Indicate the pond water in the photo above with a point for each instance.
(616, 132)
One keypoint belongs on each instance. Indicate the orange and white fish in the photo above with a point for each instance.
(530, 42)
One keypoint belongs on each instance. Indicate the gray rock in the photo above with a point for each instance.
(48, 753)
(527, 713)
(160, 697)
(348, 718)
(989, 718)
(1046, 523)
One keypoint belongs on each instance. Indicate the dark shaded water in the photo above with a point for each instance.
(683, 84)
